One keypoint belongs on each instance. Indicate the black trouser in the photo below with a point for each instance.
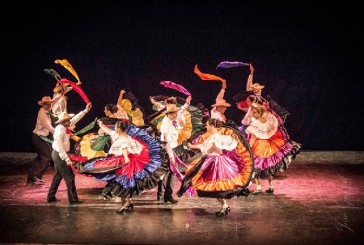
(41, 162)
(63, 171)
(165, 186)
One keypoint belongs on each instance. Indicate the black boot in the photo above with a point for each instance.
(170, 199)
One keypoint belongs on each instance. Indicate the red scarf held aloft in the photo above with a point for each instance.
(76, 88)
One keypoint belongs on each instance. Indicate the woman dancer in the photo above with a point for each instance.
(135, 163)
(272, 153)
(225, 168)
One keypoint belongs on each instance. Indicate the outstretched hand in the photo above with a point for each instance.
(188, 99)
(223, 85)
(251, 69)
(88, 106)
(100, 123)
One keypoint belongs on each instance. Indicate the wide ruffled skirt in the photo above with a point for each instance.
(141, 173)
(275, 154)
(221, 176)
(193, 126)
(86, 146)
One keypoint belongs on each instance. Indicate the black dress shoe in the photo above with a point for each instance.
(107, 196)
(179, 193)
(52, 199)
(269, 191)
(32, 181)
(38, 180)
(130, 207)
(76, 202)
(170, 199)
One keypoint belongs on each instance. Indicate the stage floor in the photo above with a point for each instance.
(319, 200)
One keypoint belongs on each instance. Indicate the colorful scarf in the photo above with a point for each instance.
(205, 76)
(175, 86)
(69, 67)
(229, 64)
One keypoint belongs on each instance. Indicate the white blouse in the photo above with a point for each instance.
(216, 143)
(133, 146)
(263, 130)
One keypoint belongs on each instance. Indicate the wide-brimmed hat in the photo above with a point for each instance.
(222, 103)
(256, 86)
(45, 99)
(64, 116)
(171, 108)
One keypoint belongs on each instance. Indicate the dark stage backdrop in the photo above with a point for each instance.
(309, 55)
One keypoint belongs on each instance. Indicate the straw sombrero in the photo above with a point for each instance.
(171, 108)
(64, 116)
(222, 103)
(45, 99)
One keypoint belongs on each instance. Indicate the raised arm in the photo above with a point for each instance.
(120, 99)
(187, 103)
(69, 88)
(180, 116)
(249, 83)
(156, 104)
(221, 94)
(57, 97)
(81, 114)
(103, 127)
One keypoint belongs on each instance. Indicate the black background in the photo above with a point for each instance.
(308, 54)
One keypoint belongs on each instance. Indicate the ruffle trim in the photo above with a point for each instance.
(272, 160)
(281, 165)
(223, 188)
(117, 189)
(135, 114)
(156, 167)
(263, 130)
